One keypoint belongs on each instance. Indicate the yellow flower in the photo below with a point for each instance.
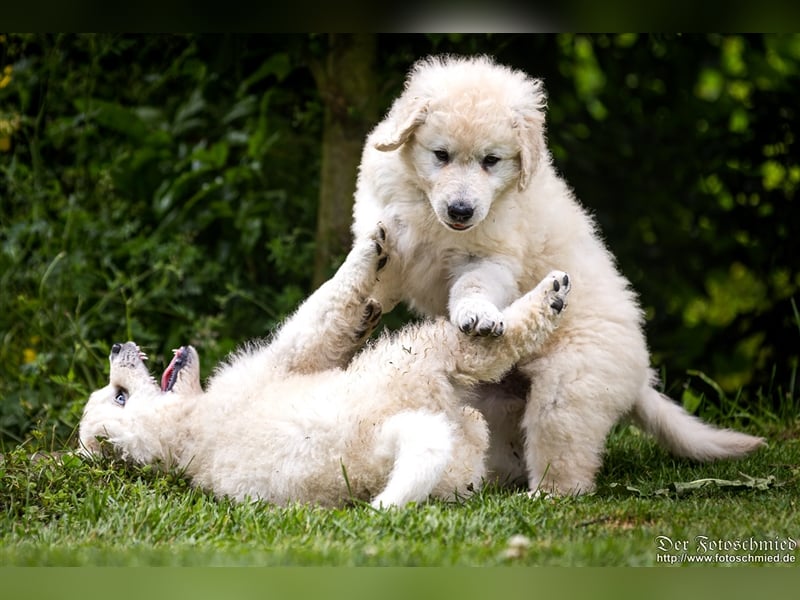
(8, 127)
(5, 79)
(28, 356)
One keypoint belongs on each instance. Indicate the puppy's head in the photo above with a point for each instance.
(471, 130)
(127, 417)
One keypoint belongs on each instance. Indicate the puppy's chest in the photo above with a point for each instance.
(428, 275)
(426, 286)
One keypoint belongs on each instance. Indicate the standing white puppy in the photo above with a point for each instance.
(460, 171)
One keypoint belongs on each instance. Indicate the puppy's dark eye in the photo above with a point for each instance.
(121, 397)
(490, 160)
(442, 156)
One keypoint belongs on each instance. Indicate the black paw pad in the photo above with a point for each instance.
(494, 329)
(372, 311)
(557, 304)
(370, 319)
(485, 330)
(467, 327)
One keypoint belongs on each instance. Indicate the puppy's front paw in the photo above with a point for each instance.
(478, 317)
(558, 285)
(367, 259)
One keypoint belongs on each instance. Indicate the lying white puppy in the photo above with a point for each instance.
(291, 421)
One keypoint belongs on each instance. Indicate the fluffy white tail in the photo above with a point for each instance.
(686, 435)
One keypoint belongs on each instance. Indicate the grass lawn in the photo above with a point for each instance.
(56, 509)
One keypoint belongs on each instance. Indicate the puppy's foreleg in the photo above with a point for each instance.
(481, 289)
(335, 320)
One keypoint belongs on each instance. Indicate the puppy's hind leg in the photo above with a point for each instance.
(335, 320)
(420, 444)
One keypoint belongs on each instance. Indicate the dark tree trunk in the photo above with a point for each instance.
(348, 88)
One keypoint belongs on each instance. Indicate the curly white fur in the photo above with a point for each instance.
(293, 420)
(460, 170)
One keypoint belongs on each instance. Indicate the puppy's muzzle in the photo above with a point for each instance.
(460, 213)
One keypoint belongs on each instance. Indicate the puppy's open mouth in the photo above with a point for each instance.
(179, 360)
(459, 226)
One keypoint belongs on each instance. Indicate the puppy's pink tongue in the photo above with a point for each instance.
(168, 378)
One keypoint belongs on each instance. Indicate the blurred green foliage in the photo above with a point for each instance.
(688, 157)
(163, 188)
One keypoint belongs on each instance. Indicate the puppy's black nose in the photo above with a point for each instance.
(460, 211)
(115, 349)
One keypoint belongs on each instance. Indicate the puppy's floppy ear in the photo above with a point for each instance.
(528, 119)
(407, 120)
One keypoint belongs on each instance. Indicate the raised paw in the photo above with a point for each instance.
(478, 317)
(369, 319)
(559, 287)
(368, 257)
